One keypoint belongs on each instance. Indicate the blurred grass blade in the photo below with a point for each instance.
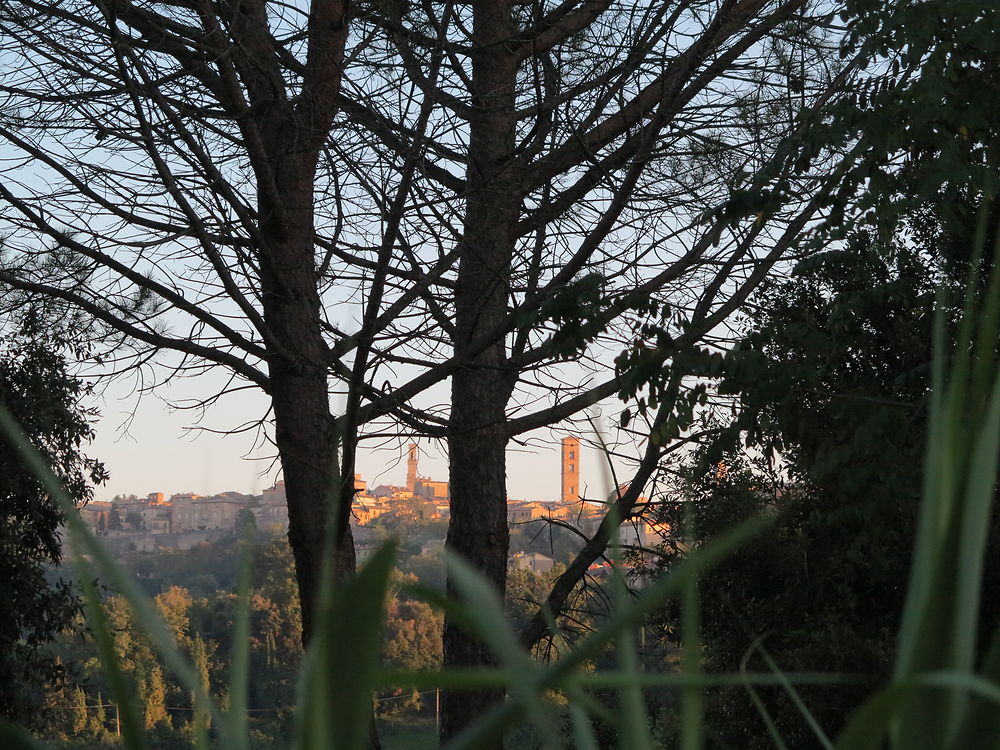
(341, 665)
(84, 541)
(765, 715)
(867, 727)
(941, 616)
(583, 732)
(485, 614)
(133, 729)
(555, 676)
(796, 698)
(634, 724)
(981, 725)
(692, 702)
(490, 624)
(239, 659)
(664, 588)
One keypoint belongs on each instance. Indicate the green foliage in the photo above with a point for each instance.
(833, 375)
(935, 101)
(245, 525)
(413, 644)
(527, 590)
(204, 628)
(577, 311)
(410, 522)
(38, 390)
(203, 569)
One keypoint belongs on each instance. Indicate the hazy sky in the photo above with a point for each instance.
(149, 447)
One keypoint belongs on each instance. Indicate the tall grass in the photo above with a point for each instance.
(938, 698)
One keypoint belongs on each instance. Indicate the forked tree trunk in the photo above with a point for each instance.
(480, 391)
(298, 357)
(299, 389)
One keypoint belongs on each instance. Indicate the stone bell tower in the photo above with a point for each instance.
(411, 468)
(570, 469)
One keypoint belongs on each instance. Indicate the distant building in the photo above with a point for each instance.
(411, 467)
(430, 489)
(216, 512)
(521, 512)
(366, 509)
(419, 486)
(570, 469)
(187, 519)
(96, 515)
(364, 551)
(271, 518)
(533, 561)
(557, 510)
(156, 518)
(274, 495)
(391, 491)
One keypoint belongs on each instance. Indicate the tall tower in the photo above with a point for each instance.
(411, 468)
(570, 469)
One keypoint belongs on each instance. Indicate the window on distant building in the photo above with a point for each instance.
(571, 455)
(572, 489)
(571, 468)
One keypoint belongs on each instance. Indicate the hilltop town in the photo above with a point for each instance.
(185, 520)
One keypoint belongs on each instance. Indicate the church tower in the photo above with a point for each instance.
(570, 469)
(411, 468)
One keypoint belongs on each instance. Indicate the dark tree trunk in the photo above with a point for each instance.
(480, 391)
(284, 137)
(298, 358)
(298, 372)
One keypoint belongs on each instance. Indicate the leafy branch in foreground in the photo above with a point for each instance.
(38, 391)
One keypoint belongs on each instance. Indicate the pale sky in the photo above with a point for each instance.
(157, 452)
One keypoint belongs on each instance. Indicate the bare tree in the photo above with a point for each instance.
(504, 187)
(162, 163)
(571, 160)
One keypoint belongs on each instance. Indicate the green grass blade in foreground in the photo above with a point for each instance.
(566, 669)
(143, 609)
(940, 621)
(664, 588)
(489, 623)
(583, 732)
(633, 723)
(239, 660)
(132, 727)
(692, 701)
(485, 614)
(790, 690)
(868, 726)
(981, 725)
(341, 665)
(765, 715)
(973, 531)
